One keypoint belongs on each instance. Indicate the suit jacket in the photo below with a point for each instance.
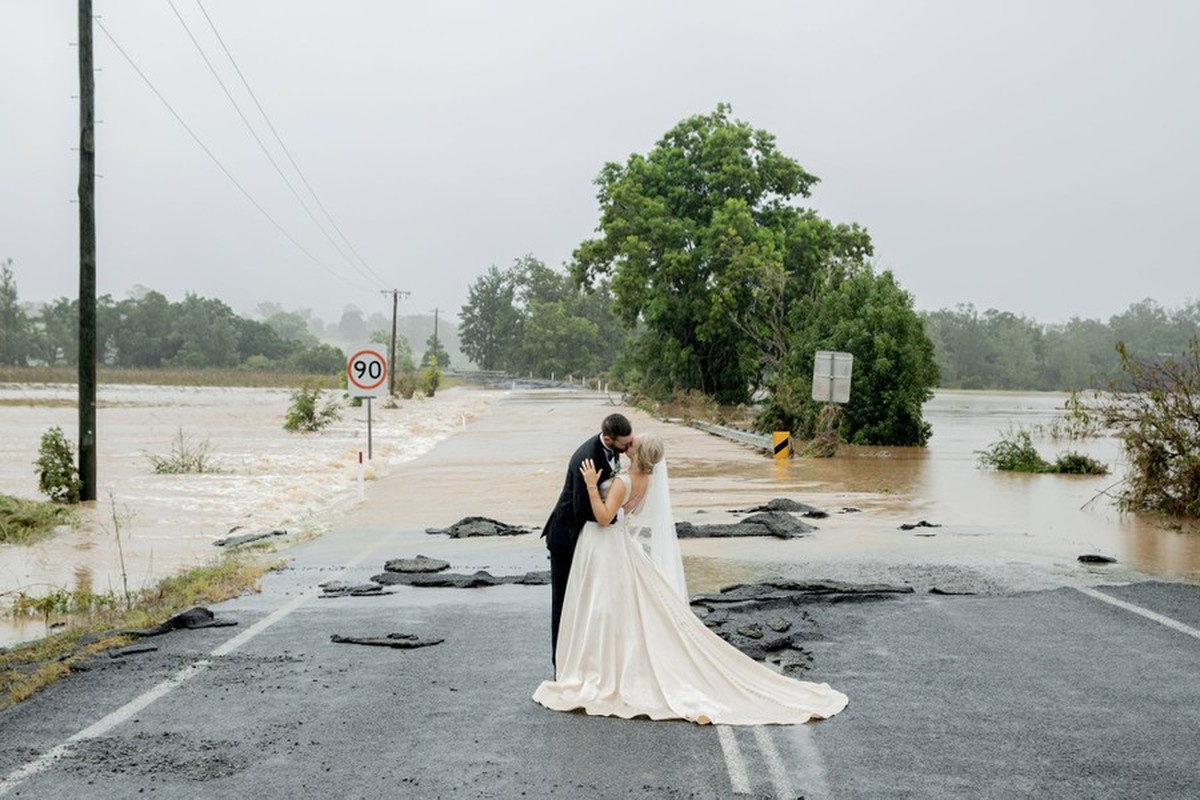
(573, 508)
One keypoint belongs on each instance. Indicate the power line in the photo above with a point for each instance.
(364, 270)
(221, 166)
(257, 139)
(284, 147)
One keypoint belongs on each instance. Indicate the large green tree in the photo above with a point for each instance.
(564, 329)
(143, 338)
(872, 318)
(489, 324)
(703, 245)
(205, 331)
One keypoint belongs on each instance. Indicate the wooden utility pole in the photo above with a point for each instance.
(435, 326)
(395, 293)
(87, 258)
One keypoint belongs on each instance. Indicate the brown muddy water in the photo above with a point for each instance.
(502, 454)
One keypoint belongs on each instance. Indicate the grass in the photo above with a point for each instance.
(28, 668)
(27, 521)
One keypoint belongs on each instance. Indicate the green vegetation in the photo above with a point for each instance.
(871, 317)
(25, 521)
(1000, 350)
(705, 251)
(58, 477)
(307, 412)
(1158, 420)
(187, 456)
(529, 319)
(29, 668)
(729, 288)
(1015, 452)
(430, 377)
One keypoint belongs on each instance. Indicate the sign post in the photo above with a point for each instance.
(366, 374)
(831, 386)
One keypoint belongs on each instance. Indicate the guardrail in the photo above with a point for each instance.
(757, 440)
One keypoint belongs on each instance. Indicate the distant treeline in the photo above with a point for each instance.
(999, 350)
(974, 350)
(148, 331)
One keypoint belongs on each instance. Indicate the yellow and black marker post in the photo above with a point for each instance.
(783, 444)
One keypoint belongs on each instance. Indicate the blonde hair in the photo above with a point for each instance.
(649, 452)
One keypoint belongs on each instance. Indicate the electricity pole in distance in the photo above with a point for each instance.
(87, 258)
(395, 293)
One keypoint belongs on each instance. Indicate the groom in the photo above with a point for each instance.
(573, 508)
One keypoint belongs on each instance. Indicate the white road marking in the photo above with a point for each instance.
(1145, 612)
(26, 771)
(775, 765)
(739, 779)
(101, 727)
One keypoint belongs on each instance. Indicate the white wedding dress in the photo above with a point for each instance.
(629, 644)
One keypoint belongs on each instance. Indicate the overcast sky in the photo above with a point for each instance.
(1040, 157)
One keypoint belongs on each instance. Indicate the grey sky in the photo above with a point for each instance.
(1036, 157)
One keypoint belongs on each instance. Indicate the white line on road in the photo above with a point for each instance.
(125, 712)
(775, 766)
(101, 727)
(1145, 612)
(739, 779)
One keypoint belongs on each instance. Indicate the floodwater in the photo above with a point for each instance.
(990, 531)
(268, 479)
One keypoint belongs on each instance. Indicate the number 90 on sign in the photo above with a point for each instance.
(366, 370)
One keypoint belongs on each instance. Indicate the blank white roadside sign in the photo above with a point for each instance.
(831, 376)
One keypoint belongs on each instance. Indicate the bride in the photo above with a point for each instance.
(629, 644)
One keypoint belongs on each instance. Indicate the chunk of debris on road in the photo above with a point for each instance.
(786, 504)
(400, 641)
(1096, 558)
(480, 526)
(195, 617)
(769, 523)
(339, 589)
(418, 564)
(246, 538)
(908, 526)
(459, 580)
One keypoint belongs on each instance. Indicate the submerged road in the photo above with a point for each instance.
(1079, 691)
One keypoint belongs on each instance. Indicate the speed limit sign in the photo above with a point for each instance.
(366, 373)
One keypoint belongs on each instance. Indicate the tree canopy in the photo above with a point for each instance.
(696, 236)
(530, 319)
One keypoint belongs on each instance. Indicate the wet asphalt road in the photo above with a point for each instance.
(1052, 693)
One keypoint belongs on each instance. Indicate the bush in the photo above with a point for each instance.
(307, 413)
(186, 456)
(1016, 453)
(1158, 421)
(1013, 453)
(1071, 463)
(58, 477)
(430, 378)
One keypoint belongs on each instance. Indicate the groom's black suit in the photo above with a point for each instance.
(572, 511)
